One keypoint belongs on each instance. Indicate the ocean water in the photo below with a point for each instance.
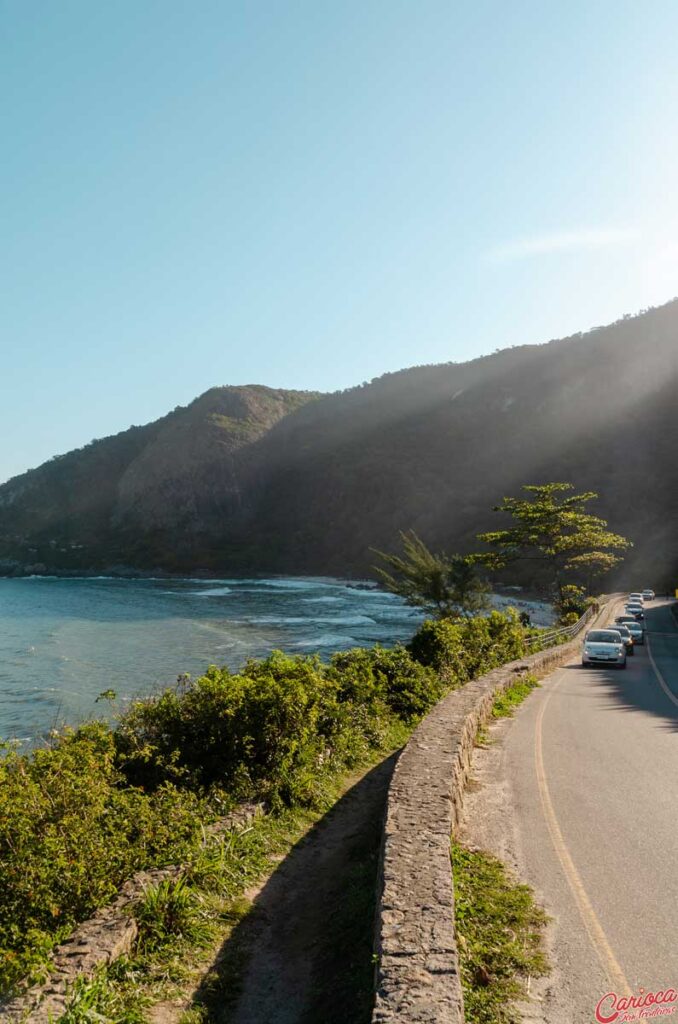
(64, 641)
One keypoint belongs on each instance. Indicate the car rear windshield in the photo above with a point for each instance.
(603, 636)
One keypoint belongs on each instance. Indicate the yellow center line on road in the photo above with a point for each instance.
(593, 927)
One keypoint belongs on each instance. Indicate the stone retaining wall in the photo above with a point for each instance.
(417, 977)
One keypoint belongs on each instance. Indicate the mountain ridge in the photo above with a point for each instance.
(256, 479)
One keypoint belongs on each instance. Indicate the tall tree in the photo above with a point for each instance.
(445, 585)
(554, 527)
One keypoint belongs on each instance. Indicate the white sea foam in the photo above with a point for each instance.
(540, 612)
(214, 592)
(235, 581)
(339, 640)
(301, 583)
(370, 593)
(311, 620)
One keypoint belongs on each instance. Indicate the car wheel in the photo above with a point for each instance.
(623, 665)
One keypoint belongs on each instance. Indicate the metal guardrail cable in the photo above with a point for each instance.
(567, 631)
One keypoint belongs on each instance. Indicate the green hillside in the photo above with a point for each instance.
(252, 479)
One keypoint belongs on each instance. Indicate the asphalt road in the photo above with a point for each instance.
(591, 765)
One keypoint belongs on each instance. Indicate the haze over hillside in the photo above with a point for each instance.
(252, 479)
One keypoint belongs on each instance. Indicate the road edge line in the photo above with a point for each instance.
(589, 918)
(657, 671)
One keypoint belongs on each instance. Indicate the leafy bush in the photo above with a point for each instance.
(571, 604)
(261, 733)
(270, 731)
(438, 644)
(70, 835)
(460, 651)
(388, 676)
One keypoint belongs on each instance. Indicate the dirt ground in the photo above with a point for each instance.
(303, 953)
(311, 942)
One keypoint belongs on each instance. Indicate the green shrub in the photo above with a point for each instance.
(387, 676)
(355, 678)
(261, 733)
(438, 644)
(70, 835)
(269, 731)
(463, 650)
(571, 604)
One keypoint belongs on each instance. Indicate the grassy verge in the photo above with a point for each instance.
(505, 704)
(509, 699)
(500, 934)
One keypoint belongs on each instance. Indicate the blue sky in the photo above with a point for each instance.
(308, 194)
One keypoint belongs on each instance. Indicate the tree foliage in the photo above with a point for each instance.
(448, 586)
(553, 527)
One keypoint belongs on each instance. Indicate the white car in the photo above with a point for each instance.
(632, 608)
(604, 647)
(648, 595)
(637, 632)
(627, 637)
(635, 598)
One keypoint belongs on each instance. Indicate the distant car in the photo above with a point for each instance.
(635, 598)
(636, 630)
(626, 635)
(648, 595)
(635, 609)
(604, 647)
